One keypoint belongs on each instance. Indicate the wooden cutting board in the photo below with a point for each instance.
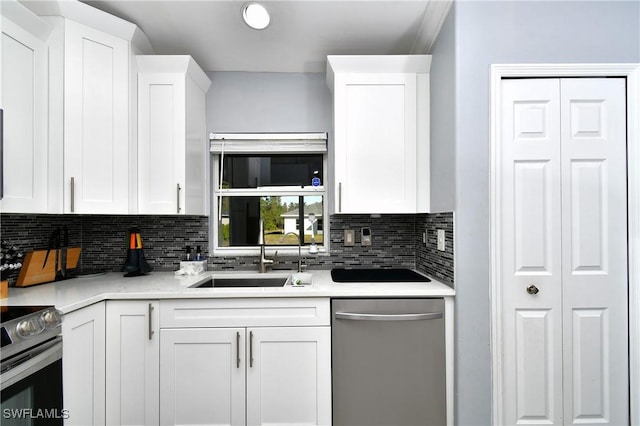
(32, 271)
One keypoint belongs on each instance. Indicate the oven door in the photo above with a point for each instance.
(31, 386)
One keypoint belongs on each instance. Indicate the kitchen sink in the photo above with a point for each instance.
(359, 275)
(243, 282)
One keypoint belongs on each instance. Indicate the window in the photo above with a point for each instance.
(279, 179)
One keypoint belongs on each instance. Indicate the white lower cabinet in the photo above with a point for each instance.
(252, 376)
(274, 368)
(289, 376)
(202, 376)
(198, 361)
(132, 362)
(83, 365)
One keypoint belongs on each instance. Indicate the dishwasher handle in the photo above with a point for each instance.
(388, 317)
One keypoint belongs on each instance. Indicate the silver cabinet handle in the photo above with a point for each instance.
(178, 196)
(388, 317)
(150, 321)
(73, 193)
(532, 289)
(251, 349)
(339, 197)
(237, 349)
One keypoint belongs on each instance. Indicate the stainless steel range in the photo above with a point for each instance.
(31, 365)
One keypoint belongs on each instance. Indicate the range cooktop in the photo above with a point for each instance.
(356, 275)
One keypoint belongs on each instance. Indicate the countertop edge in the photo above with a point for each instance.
(71, 295)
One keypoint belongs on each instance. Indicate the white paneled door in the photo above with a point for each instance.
(563, 256)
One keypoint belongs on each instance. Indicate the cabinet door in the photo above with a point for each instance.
(96, 121)
(132, 363)
(202, 376)
(83, 365)
(24, 102)
(375, 143)
(161, 144)
(289, 376)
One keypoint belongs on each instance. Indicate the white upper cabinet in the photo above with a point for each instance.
(380, 149)
(173, 157)
(96, 121)
(91, 137)
(24, 103)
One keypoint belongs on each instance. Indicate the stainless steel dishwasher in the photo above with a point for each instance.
(388, 362)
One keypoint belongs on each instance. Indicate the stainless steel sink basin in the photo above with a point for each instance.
(243, 282)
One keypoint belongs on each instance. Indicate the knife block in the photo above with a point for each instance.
(32, 271)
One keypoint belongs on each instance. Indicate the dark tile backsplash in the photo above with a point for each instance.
(428, 258)
(396, 241)
(103, 238)
(164, 239)
(391, 246)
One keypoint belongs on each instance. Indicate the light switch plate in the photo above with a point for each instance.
(440, 236)
(349, 237)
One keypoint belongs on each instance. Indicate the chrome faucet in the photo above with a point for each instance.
(299, 248)
(264, 262)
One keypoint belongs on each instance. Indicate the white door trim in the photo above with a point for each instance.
(632, 73)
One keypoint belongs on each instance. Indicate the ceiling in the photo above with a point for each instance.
(301, 34)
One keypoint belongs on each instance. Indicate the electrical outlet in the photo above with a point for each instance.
(349, 237)
(440, 237)
(365, 237)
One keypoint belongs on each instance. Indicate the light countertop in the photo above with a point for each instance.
(76, 293)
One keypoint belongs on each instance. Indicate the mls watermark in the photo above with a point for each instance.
(34, 413)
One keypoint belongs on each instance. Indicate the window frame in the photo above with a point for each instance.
(265, 145)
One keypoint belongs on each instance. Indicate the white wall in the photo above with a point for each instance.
(508, 32)
(443, 119)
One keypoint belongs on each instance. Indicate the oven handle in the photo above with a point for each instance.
(30, 362)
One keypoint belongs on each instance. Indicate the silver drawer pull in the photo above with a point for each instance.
(150, 321)
(237, 349)
(251, 349)
(388, 317)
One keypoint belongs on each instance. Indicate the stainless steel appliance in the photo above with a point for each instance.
(388, 362)
(31, 366)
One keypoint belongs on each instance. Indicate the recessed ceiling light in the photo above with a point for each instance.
(256, 16)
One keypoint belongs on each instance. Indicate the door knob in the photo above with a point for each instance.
(532, 289)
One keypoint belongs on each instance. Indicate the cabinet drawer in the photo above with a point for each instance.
(181, 313)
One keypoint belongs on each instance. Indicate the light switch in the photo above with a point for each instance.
(349, 237)
(440, 235)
